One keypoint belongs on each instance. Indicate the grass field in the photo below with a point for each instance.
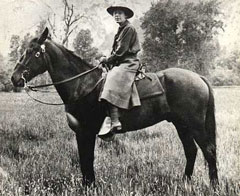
(38, 154)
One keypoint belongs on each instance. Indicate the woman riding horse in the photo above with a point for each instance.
(189, 97)
(119, 90)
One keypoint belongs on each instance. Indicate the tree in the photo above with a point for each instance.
(83, 46)
(14, 55)
(227, 69)
(18, 46)
(24, 43)
(5, 83)
(5, 72)
(40, 28)
(1, 64)
(51, 21)
(70, 19)
(66, 22)
(14, 46)
(181, 35)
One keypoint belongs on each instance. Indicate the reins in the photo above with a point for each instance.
(35, 87)
(32, 87)
(42, 102)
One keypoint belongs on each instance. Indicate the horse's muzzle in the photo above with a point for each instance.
(17, 82)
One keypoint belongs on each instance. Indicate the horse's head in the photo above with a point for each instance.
(33, 61)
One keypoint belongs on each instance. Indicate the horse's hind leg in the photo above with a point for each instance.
(189, 146)
(208, 147)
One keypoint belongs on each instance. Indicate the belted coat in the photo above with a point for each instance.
(119, 88)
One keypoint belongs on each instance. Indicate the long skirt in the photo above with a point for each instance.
(119, 88)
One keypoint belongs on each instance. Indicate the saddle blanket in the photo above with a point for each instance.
(149, 86)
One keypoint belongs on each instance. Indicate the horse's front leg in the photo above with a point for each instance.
(86, 144)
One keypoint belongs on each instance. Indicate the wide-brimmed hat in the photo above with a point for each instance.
(129, 13)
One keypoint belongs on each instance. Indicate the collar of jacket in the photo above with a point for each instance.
(124, 24)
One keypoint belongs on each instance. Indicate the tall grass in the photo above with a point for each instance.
(38, 154)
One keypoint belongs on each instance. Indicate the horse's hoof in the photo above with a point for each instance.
(186, 178)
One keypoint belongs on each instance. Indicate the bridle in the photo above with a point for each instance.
(35, 87)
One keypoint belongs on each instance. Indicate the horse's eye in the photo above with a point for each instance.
(37, 54)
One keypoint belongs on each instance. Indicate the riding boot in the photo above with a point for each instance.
(115, 123)
(111, 125)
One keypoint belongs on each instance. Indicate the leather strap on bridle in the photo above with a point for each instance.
(35, 87)
(55, 104)
(32, 87)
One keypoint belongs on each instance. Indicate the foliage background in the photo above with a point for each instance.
(202, 36)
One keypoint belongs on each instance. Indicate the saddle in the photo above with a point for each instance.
(149, 84)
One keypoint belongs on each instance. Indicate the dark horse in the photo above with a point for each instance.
(189, 97)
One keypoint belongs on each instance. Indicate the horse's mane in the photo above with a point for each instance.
(72, 54)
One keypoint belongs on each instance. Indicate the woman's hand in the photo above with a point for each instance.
(103, 60)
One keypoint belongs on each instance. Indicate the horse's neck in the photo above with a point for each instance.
(62, 68)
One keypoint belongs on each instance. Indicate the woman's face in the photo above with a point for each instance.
(119, 16)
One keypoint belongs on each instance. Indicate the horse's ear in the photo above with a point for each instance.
(44, 36)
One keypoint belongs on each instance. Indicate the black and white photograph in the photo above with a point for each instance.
(119, 97)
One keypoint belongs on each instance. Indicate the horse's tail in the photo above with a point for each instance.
(210, 121)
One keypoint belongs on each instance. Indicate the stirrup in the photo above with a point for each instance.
(105, 131)
(116, 128)
(107, 137)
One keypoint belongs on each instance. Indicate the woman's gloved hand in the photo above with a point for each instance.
(103, 60)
